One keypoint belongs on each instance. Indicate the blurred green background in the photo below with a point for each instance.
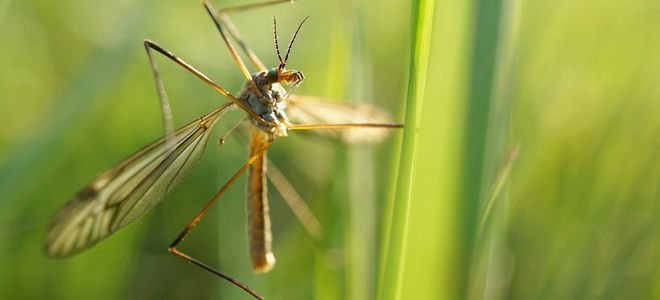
(573, 85)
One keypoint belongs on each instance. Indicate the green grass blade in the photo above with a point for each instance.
(392, 271)
(434, 217)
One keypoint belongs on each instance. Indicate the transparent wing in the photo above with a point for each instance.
(317, 110)
(124, 193)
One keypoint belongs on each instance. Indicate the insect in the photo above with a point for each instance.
(124, 193)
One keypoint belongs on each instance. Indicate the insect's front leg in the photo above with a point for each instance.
(221, 17)
(149, 46)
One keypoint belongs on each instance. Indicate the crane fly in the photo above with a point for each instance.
(127, 191)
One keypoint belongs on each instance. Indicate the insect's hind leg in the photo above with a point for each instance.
(192, 223)
(297, 205)
(221, 17)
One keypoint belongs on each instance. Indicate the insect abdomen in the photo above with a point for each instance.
(259, 232)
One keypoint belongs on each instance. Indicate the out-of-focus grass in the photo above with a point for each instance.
(573, 83)
(582, 218)
(77, 96)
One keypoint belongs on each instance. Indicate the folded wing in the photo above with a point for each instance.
(317, 110)
(124, 193)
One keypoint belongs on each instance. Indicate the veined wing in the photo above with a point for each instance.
(124, 193)
(316, 110)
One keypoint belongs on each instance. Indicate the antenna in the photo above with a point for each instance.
(277, 46)
(286, 57)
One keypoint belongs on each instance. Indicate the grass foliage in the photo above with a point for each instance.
(528, 168)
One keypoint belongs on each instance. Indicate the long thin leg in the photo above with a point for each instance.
(232, 50)
(165, 108)
(193, 222)
(231, 28)
(342, 126)
(150, 45)
(299, 208)
(222, 16)
(304, 214)
(295, 202)
(253, 5)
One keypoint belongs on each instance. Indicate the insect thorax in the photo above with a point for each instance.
(266, 98)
